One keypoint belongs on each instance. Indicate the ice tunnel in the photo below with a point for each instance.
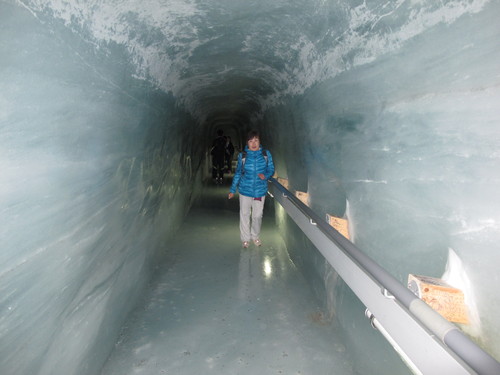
(385, 113)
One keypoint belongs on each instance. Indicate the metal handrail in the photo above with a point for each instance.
(428, 343)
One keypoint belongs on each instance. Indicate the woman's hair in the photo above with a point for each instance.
(253, 134)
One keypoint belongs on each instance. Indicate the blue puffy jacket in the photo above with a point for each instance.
(248, 183)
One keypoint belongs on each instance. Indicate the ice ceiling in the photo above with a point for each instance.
(234, 58)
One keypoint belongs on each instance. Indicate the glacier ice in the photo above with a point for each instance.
(384, 111)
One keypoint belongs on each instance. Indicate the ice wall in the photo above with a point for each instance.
(95, 167)
(390, 106)
(406, 147)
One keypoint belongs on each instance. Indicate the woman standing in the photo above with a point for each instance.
(255, 167)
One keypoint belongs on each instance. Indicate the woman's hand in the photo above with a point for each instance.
(230, 196)
(261, 176)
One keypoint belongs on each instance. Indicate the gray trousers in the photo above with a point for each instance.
(250, 209)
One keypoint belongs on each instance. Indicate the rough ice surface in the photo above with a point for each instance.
(385, 112)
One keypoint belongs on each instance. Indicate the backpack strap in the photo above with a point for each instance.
(244, 158)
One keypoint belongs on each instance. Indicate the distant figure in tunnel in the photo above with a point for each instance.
(255, 167)
(229, 154)
(218, 153)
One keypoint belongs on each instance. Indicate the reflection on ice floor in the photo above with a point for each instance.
(222, 309)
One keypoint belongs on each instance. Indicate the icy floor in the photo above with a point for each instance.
(221, 309)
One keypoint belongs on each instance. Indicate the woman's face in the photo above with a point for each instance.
(253, 144)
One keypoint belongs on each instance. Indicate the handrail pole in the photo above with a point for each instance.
(458, 346)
